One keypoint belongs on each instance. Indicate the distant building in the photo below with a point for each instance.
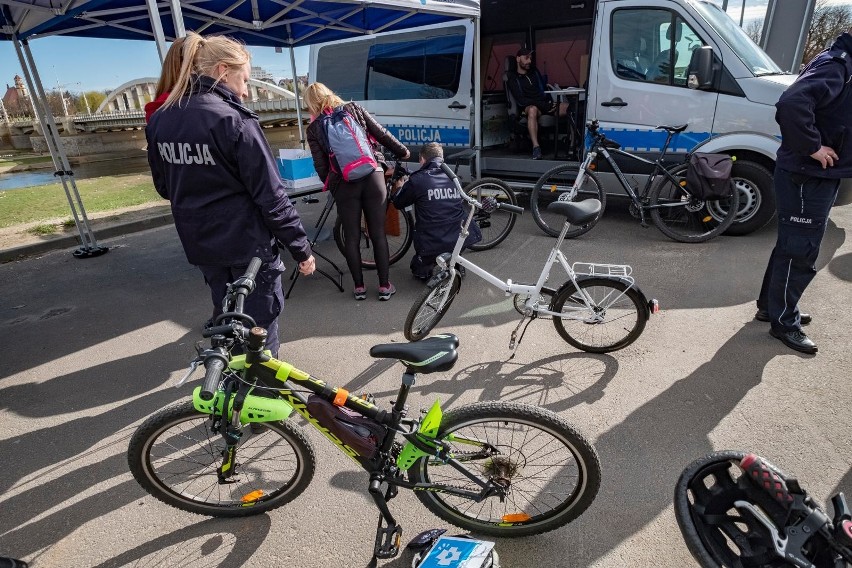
(261, 74)
(16, 99)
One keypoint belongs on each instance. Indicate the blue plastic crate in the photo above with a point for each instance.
(296, 168)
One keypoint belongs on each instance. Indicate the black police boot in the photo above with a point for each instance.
(763, 315)
(795, 339)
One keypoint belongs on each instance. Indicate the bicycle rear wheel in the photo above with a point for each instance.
(496, 225)
(174, 455)
(398, 230)
(687, 219)
(550, 471)
(428, 310)
(615, 319)
(555, 185)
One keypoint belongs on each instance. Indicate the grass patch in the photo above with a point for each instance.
(25, 161)
(39, 203)
(68, 224)
(42, 230)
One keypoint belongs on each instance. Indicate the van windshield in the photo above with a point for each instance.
(755, 58)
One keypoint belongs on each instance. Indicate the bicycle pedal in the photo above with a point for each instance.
(387, 541)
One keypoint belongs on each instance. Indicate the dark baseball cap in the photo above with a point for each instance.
(524, 51)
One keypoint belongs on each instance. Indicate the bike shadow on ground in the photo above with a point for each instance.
(224, 543)
(644, 454)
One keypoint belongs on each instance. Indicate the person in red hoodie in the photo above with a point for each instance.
(168, 77)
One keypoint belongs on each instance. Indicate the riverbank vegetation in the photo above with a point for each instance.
(48, 202)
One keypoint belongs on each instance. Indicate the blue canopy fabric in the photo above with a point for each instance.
(273, 23)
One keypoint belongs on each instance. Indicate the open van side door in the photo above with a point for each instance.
(640, 79)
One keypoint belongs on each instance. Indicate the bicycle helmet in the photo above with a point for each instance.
(735, 519)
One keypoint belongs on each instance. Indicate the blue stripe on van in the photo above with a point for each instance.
(635, 140)
(415, 135)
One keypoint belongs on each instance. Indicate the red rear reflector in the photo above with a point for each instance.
(654, 306)
(516, 518)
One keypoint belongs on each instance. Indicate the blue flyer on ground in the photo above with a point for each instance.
(453, 552)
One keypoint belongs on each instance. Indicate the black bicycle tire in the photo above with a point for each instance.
(582, 452)
(424, 296)
(511, 199)
(536, 197)
(634, 296)
(679, 171)
(138, 456)
(394, 255)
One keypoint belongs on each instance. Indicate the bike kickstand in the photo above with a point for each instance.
(515, 340)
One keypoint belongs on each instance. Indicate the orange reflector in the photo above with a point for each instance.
(683, 183)
(340, 397)
(516, 518)
(552, 188)
(593, 166)
(253, 496)
(707, 219)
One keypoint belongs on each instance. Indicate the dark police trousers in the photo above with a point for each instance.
(803, 204)
(264, 304)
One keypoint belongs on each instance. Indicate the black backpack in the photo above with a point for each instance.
(708, 176)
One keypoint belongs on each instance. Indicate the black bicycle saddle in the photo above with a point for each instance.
(673, 129)
(577, 213)
(430, 355)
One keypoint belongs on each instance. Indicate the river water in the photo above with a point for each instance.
(121, 166)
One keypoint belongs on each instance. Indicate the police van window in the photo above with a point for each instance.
(337, 65)
(415, 68)
(635, 41)
(681, 40)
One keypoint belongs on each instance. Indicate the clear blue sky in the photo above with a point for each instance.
(82, 64)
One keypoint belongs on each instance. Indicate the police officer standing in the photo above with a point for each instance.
(815, 115)
(438, 210)
(208, 156)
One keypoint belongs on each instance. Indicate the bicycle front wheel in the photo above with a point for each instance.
(599, 315)
(174, 455)
(556, 185)
(550, 472)
(398, 231)
(430, 307)
(687, 219)
(496, 225)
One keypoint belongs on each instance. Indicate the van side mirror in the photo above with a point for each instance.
(701, 69)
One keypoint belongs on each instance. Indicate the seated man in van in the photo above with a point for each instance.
(439, 210)
(527, 87)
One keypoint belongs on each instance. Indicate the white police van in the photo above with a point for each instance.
(421, 85)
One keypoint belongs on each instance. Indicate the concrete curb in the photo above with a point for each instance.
(70, 241)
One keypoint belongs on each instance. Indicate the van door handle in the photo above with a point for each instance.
(456, 106)
(616, 102)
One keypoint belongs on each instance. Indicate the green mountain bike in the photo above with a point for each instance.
(496, 468)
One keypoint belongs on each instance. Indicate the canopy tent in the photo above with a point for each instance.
(271, 23)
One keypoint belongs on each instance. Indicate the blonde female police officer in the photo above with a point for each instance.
(209, 157)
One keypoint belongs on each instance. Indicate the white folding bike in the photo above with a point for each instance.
(598, 309)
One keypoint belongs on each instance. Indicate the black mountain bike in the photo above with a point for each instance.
(673, 208)
(736, 509)
(495, 468)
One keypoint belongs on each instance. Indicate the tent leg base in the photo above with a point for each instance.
(90, 252)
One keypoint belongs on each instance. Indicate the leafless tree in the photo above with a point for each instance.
(829, 22)
(754, 29)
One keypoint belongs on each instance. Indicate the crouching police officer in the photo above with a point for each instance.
(208, 156)
(438, 210)
(815, 115)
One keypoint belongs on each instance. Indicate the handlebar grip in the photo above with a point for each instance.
(844, 533)
(214, 365)
(767, 479)
(253, 267)
(511, 208)
(218, 330)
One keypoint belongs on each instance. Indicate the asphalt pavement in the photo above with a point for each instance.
(93, 346)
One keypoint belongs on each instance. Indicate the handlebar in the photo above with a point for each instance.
(214, 363)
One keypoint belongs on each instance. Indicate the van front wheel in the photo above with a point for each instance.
(757, 197)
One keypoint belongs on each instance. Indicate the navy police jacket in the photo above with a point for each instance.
(208, 156)
(816, 111)
(438, 209)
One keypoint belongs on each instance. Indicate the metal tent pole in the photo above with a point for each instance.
(477, 96)
(61, 165)
(177, 18)
(298, 97)
(157, 28)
